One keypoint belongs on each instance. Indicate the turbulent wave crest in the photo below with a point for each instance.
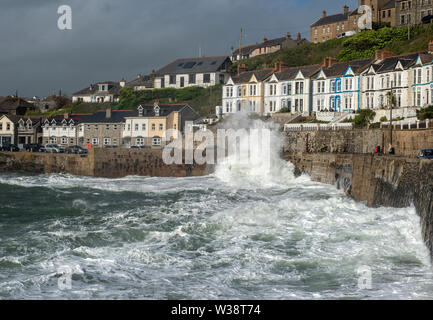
(242, 233)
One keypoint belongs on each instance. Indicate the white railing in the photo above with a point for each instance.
(317, 127)
(409, 123)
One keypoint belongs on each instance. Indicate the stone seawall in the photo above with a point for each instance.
(406, 142)
(107, 163)
(390, 181)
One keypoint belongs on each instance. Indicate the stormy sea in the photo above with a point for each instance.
(239, 233)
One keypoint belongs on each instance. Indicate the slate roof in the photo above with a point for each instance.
(141, 81)
(195, 65)
(389, 5)
(389, 64)
(291, 73)
(246, 50)
(118, 116)
(340, 68)
(113, 87)
(339, 17)
(245, 77)
(11, 103)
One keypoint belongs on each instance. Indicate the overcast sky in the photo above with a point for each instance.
(111, 39)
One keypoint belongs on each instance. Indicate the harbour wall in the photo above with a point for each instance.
(107, 163)
(405, 142)
(391, 181)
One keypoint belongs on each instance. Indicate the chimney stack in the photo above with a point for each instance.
(280, 66)
(122, 83)
(265, 39)
(345, 9)
(241, 68)
(108, 112)
(430, 47)
(329, 62)
(382, 54)
(288, 35)
(323, 13)
(299, 36)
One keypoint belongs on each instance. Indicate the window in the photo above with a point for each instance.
(172, 79)
(1, 126)
(153, 127)
(162, 83)
(299, 87)
(239, 91)
(206, 78)
(191, 78)
(107, 127)
(139, 142)
(115, 126)
(338, 85)
(72, 141)
(88, 127)
(143, 127)
(136, 127)
(95, 141)
(332, 84)
(161, 126)
(114, 142)
(8, 126)
(96, 127)
(107, 141)
(53, 140)
(156, 141)
(64, 140)
(129, 127)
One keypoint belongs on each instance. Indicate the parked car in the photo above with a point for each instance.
(53, 148)
(75, 150)
(145, 147)
(134, 147)
(426, 154)
(10, 148)
(33, 147)
(111, 147)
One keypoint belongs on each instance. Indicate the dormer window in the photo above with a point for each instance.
(140, 111)
(156, 110)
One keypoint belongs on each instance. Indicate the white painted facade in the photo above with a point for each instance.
(337, 93)
(293, 94)
(179, 81)
(420, 78)
(61, 133)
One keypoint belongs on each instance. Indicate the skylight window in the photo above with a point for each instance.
(189, 65)
(213, 63)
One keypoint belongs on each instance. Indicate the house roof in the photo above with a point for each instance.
(246, 76)
(195, 65)
(389, 5)
(331, 19)
(389, 64)
(11, 103)
(291, 73)
(113, 87)
(141, 81)
(118, 116)
(340, 68)
(268, 43)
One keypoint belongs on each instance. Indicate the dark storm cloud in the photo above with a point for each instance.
(114, 39)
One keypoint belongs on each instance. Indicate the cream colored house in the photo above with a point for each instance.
(8, 130)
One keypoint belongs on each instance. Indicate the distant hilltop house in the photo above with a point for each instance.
(99, 92)
(142, 82)
(145, 126)
(396, 13)
(188, 72)
(267, 46)
(14, 106)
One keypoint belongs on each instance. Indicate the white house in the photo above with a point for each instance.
(244, 92)
(336, 87)
(189, 72)
(289, 88)
(99, 92)
(61, 130)
(420, 78)
(387, 74)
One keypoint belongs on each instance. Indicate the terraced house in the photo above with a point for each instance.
(421, 86)
(387, 74)
(336, 87)
(245, 92)
(289, 88)
(147, 125)
(99, 92)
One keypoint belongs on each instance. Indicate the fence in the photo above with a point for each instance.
(317, 126)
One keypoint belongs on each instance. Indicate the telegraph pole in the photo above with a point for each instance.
(240, 46)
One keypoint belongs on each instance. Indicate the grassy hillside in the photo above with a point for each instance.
(359, 46)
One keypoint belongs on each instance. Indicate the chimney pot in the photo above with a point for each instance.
(345, 9)
(299, 36)
(265, 39)
(323, 13)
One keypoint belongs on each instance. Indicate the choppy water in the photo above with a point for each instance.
(238, 234)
